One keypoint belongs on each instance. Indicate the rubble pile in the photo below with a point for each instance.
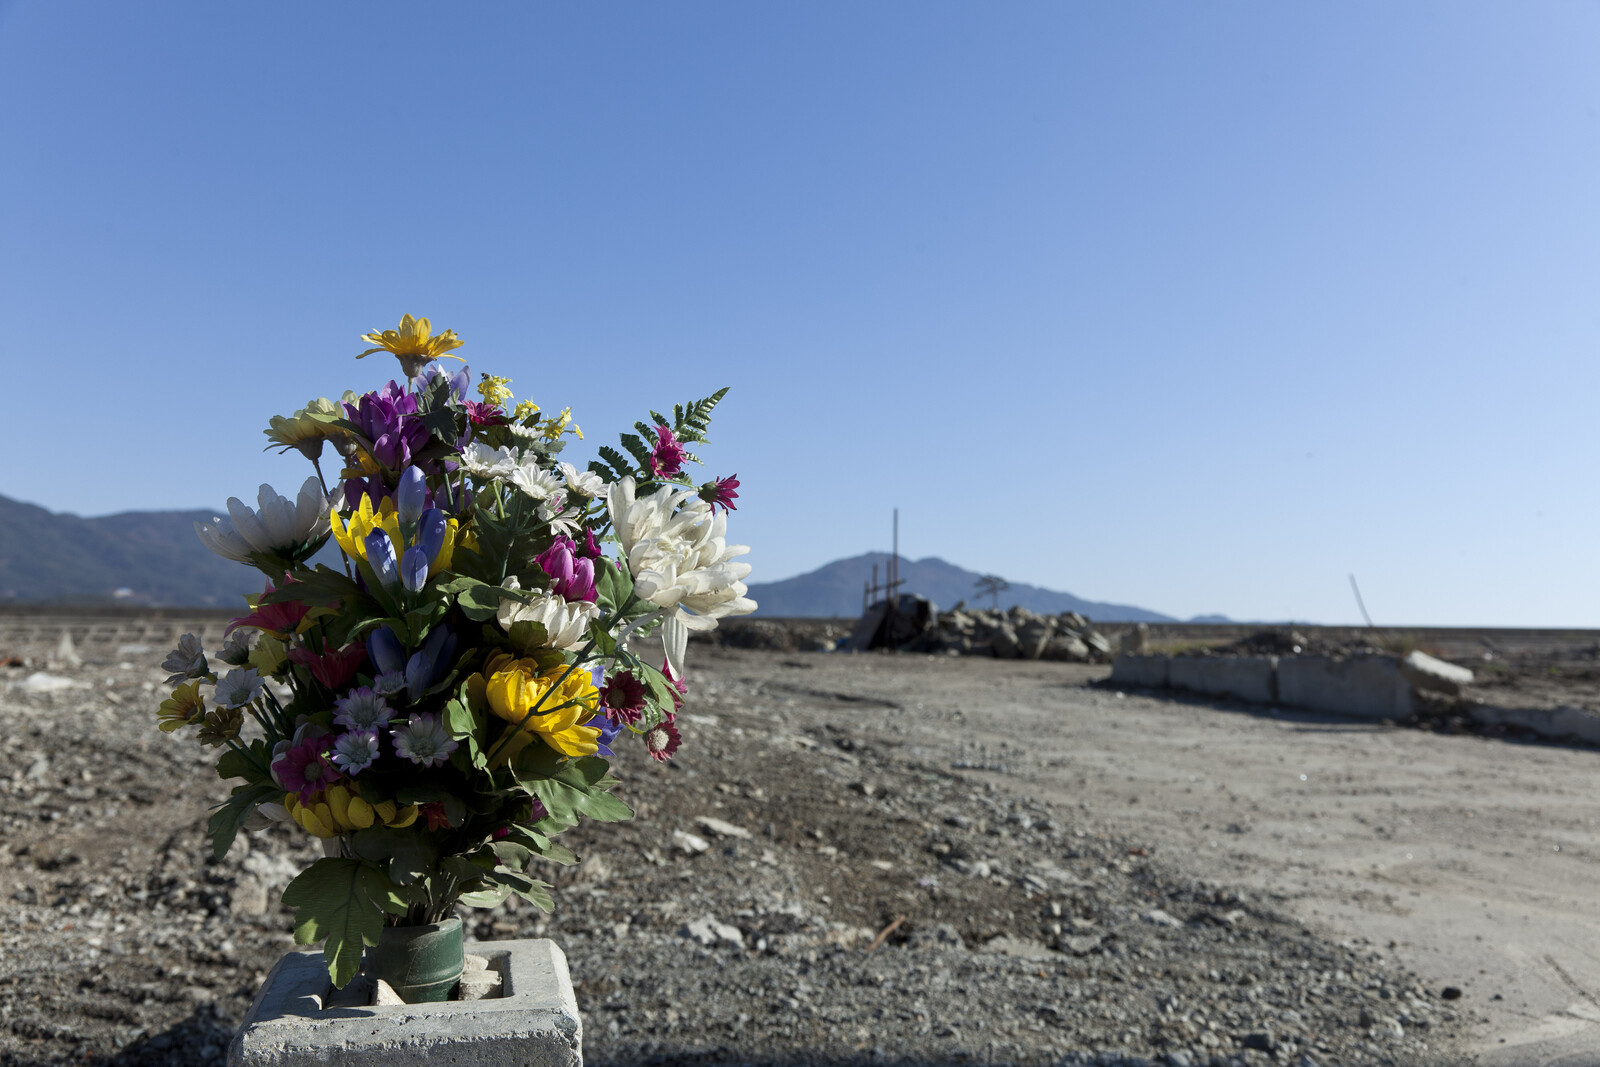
(1016, 633)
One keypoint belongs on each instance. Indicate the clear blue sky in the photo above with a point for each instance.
(1194, 306)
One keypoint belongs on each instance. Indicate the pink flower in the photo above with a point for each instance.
(720, 493)
(667, 458)
(305, 770)
(332, 669)
(434, 813)
(481, 414)
(661, 741)
(623, 697)
(571, 577)
(273, 618)
(677, 683)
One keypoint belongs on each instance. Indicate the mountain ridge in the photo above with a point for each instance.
(834, 591)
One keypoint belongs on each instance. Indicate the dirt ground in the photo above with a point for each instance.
(1086, 877)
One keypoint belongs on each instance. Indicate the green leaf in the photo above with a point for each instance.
(407, 852)
(321, 586)
(479, 600)
(532, 890)
(637, 449)
(337, 901)
(485, 898)
(235, 764)
(511, 854)
(568, 796)
(542, 846)
(226, 822)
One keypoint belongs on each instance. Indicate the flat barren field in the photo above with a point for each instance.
(877, 859)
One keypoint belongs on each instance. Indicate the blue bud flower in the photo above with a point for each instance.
(411, 495)
(430, 534)
(386, 651)
(414, 568)
(429, 664)
(380, 554)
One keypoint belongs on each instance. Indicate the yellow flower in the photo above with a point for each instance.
(185, 706)
(524, 409)
(352, 535)
(269, 655)
(493, 390)
(556, 425)
(412, 344)
(340, 810)
(511, 687)
(307, 428)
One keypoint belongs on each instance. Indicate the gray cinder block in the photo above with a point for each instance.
(535, 1024)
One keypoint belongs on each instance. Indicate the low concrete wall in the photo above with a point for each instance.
(1546, 722)
(1371, 687)
(1251, 678)
(1146, 672)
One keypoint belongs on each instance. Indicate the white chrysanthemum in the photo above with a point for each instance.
(565, 622)
(535, 480)
(494, 464)
(237, 688)
(186, 661)
(277, 525)
(562, 519)
(584, 483)
(678, 554)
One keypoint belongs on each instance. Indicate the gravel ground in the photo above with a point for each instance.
(740, 918)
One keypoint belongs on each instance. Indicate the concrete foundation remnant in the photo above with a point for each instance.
(1144, 672)
(1249, 678)
(535, 1023)
(1369, 687)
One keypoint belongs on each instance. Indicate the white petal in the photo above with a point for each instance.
(675, 638)
(221, 539)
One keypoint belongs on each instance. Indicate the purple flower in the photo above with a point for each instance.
(389, 683)
(429, 664)
(571, 578)
(591, 547)
(721, 493)
(608, 732)
(383, 418)
(355, 751)
(386, 651)
(458, 381)
(423, 740)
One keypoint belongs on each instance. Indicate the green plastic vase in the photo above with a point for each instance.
(421, 963)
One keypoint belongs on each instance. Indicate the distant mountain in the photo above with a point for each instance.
(834, 590)
(137, 557)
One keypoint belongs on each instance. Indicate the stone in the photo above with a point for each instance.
(1141, 672)
(1136, 642)
(476, 985)
(40, 682)
(708, 931)
(1018, 947)
(384, 994)
(1080, 944)
(693, 844)
(725, 829)
(1554, 723)
(1250, 678)
(1066, 648)
(1368, 687)
(1003, 639)
(1162, 918)
(67, 652)
(248, 899)
(1032, 637)
(534, 1024)
(1435, 675)
(1097, 643)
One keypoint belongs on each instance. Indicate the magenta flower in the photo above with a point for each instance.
(332, 669)
(667, 458)
(720, 493)
(623, 697)
(571, 578)
(661, 741)
(305, 770)
(481, 414)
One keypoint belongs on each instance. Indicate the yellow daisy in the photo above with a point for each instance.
(412, 344)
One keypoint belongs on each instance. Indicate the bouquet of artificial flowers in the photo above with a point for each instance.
(441, 704)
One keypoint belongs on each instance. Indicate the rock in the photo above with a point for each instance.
(934, 935)
(40, 682)
(67, 652)
(1020, 948)
(1032, 637)
(1136, 642)
(1161, 918)
(1071, 620)
(1080, 944)
(248, 899)
(724, 829)
(708, 931)
(1261, 1041)
(1097, 643)
(477, 985)
(1436, 675)
(1066, 648)
(689, 843)
(1450, 992)
(1003, 639)
(383, 993)
(594, 870)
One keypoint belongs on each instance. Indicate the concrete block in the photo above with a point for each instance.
(1554, 723)
(1249, 678)
(1369, 687)
(1426, 672)
(1145, 672)
(534, 1024)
